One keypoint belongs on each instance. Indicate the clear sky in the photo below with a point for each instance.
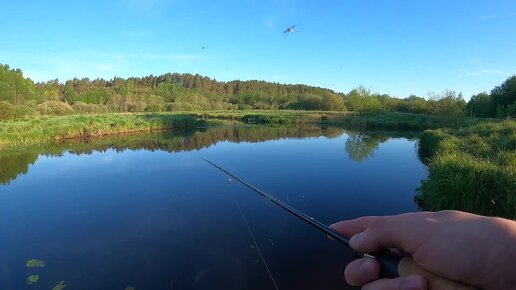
(399, 47)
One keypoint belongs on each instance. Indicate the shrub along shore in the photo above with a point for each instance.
(52, 129)
(472, 168)
(55, 128)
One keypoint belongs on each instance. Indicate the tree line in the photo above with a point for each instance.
(20, 97)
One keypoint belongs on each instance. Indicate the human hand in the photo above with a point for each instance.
(471, 249)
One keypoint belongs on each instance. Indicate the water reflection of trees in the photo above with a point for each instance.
(16, 162)
(362, 146)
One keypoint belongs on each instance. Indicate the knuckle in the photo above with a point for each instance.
(379, 223)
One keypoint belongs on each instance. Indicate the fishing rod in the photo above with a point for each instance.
(392, 264)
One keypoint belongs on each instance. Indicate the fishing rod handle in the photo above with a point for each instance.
(395, 265)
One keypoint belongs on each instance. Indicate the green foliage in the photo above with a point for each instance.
(11, 165)
(14, 162)
(14, 88)
(155, 93)
(60, 286)
(449, 106)
(83, 108)
(333, 103)
(362, 101)
(505, 94)
(51, 91)
(15, 133)
(361, 147)
(388, 120)
(480, 106)
(32, 279)
(472, 168)
(412, 104)
(55, 108)
(26, 111)
(35, 263)
(182, 106)
(7, 111)
(508, 111)
(187, 92)
(501, 103)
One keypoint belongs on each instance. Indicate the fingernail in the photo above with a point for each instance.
(367, 268)
(413, 283)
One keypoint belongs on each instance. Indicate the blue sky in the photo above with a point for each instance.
(399, 47)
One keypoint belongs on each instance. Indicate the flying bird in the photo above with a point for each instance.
(291, 29)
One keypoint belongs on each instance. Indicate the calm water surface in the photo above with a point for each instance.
(145, 211)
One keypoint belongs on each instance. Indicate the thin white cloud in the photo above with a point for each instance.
(484, 17)
(480, 72)
(475, 60)
(494, 16)
(95, 64)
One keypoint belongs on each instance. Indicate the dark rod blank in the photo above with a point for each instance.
(389, 260)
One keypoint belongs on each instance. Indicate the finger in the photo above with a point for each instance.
(350, 228)
(388, 232)
(413, 282)
(362, 271)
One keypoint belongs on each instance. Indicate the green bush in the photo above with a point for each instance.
(26, 111)
(7, 110)
(471, 169)
(244, 107)
(42, 130)
(182, 106)
(463, 182)
(83, 108)
(155, 108)
(55, 108)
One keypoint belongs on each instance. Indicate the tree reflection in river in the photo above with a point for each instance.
(13, 162)
(361, 147)
(17, 161)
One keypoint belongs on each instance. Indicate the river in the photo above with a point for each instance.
(145, 211)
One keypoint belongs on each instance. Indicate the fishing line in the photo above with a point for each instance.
(252, 235)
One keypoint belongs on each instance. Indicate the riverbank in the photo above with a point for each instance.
(52, 129)
(55, 128)
(471, 168)
(386, 121)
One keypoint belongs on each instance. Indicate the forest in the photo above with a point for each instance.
(22, 98)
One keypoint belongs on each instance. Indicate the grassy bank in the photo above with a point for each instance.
(471, 168)
(387, 120)
(50, 129)
(263, 117)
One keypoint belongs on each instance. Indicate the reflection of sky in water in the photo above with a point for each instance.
(153, 219)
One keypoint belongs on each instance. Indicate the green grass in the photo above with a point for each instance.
(55, 128)
(388, 120)
(50, 129)
(264, 117)
(472, 168)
